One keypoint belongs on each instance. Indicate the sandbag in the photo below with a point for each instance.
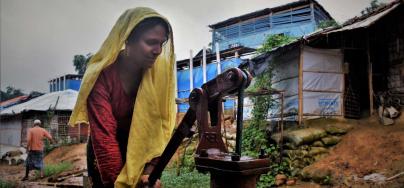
(305, 136)
(317, 150)
(331, 140)
(318, 143)
(335, 129)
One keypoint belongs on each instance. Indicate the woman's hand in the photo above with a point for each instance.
(145, 182)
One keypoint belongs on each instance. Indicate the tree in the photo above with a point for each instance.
(80, 62)
(274, 41)
(374, 4)
(327, 23)
(10, 93)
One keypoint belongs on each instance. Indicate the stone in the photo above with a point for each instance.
(281, 177)
(291, 182)
(318, 175)
(279, 182)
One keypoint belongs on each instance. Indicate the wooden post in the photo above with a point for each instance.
(218, 59)
(175, 75)
(79, 126)
(300, 87)
(191, 67)
(370, 75)
(64, 82)
(204, 64)
(58, 83)
(312, 13)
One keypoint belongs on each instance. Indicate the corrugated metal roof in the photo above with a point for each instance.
(13, 101)
(62, 100)
(363, 21)
(266, 11)
(366, 22)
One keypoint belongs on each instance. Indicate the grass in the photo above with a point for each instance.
(6, 184)
(52, 169)
(187, 179)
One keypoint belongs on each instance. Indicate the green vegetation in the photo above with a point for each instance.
(10, 93)
(374, 4)
(52, 169)
(255, 135)
(274, 41)
(327, 23)
(6, 184)
(187, 179)
(80, 62)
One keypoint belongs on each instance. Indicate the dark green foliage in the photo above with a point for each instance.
(255, 135)
(80, 62)
(7, 184)
(274, 41)
(10, 93)
(327, 23)
(374, 4)
(187, 179)
(53, 169)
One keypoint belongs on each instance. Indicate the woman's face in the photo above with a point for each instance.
(145, 50)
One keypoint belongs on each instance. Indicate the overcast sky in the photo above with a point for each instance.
(40, 37)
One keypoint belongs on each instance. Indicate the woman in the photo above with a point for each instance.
(127, 97)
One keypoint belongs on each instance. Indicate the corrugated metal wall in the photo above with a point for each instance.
(10, 131)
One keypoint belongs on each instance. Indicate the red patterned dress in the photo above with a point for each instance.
(110, 112)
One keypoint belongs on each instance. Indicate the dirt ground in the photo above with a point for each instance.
(75, 154)
(368, 148)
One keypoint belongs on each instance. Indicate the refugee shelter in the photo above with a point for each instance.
(340, 71)
(53, 109)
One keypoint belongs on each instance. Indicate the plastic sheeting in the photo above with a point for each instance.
(322, 103)
(322, 81)
(183, 81)
(286, 78)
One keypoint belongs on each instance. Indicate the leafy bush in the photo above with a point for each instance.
(255, 135)
(7, 184)
(273, 41)
(187, 179)
(52, 169)
(327, 23)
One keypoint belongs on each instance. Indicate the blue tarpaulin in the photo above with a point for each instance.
(183, 82)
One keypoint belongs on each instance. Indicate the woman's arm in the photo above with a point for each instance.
(103, 129)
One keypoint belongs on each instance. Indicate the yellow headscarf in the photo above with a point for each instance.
(153, 117)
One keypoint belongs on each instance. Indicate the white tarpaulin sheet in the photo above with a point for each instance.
(322, 81)
(286, 66)
(290, 86)
(286, 72)
(329, 60)
(323, 104)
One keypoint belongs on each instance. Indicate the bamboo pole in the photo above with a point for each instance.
(219, 68)
(204, 64)
(191, 67)
(300, 87)
(370, 75)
